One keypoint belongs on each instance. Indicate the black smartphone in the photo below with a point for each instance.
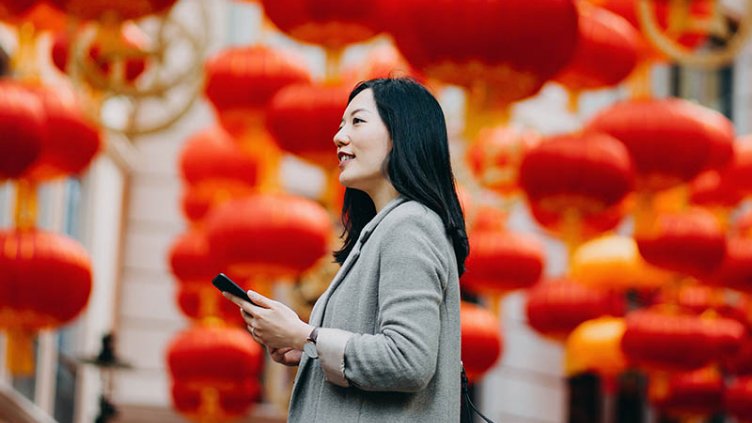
(225, 284)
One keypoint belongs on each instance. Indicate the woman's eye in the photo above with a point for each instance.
(357, 120)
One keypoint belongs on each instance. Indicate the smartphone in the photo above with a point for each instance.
(225, 284)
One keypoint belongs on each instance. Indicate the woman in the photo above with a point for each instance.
(383, 342)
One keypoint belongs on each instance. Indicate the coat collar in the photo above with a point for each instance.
(317, 314)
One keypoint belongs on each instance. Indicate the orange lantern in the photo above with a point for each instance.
(614, 262)
(595, 346)
(508, 47)
(606, 52)
(122, 10)
(70, 142)
(495, 156)
(316, 110)
(696, 393)
(268, 235)
(241, 81)
(331, 24)
(690, 242)
(670, 140)
(482, 343)
(22, 128)
(738, 398)
(658, 339)
(45, 281)
(556, 307)
(214, 372)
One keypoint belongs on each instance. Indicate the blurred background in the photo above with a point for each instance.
(600, 148)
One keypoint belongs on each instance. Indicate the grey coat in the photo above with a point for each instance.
(389, 343)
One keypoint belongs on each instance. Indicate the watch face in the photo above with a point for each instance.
(309, 348)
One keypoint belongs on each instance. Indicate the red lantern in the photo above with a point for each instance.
(738, 398)
(11, 8)
(329, 23)
(690, 242)
(739, 171)
(496, 154)
(268, 235)
(316, 111)
(740, 364)
(241, 81)
(384, 61)
(699, 392)
(71, 141)
(21, 127)
(45, 281)
(679, 341)
(735, 271)
(122, 10)
(130, 46)
(482, 343)
(502, 261)
(713, 189)
(556, 307)
(214, 372)
(670, 140)
(509, 46)
(606, 52)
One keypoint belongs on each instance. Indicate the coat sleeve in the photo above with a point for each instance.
(402, 355)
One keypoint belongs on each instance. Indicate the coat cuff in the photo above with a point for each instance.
(330, 345)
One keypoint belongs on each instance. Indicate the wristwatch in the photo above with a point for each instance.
(310, 346)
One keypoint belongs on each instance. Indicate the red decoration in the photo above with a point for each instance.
(214, 372)
(45, 281)
(556, 307)
(270, 235)
(740, 364)
(606, 53)
(482, 343)
(71, 141)
(11, 8)
(735, 270)
(316, 111)
(670, 140)
(712, 188)
(384, 61)
(690, 242)
(22, 128)
(510, 46)
(122, 10)
(699, 392)
(329, 23)
(666, 341)
(495, 156)
(739, 172)
(738, 398)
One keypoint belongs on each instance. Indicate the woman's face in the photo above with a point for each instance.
(363, 143)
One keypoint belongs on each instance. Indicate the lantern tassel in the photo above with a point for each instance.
(20, 358)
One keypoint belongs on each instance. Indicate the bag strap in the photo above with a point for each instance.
(466, 396)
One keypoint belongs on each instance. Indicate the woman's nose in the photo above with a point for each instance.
(340, 138)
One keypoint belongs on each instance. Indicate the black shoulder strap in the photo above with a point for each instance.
(470, 408)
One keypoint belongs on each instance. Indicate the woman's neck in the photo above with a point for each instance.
(382, 196)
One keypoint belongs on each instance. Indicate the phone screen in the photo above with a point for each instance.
(225, 284)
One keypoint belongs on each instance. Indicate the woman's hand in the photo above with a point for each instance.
(271, 322)
(286, 356)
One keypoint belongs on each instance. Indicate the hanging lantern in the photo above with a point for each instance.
(482, 343)
(268, 235)
(713, 189)
(129, 46)
(45, 281)
(735, 270)
(740, 364)
(10, 8)
(70, 142)
(241, 81)
(495, 156)
(330, 24)
(670, 140)
(614, 262)
(739, 171)
(214, 372)
(690, 242)
(738, 398)
(575, 229)
(556, 307)
(595, 346)
(661, 340)
(119, 10)
(606, 53)
(699, 298)
(384, 61)
(216, 169)
(576, 177)
(22, 129)
(316, 110)
(696, 393)
(501, 261)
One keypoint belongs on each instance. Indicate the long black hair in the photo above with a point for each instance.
(418, 164)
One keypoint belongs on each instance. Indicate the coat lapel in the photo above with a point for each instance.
(317, 314)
